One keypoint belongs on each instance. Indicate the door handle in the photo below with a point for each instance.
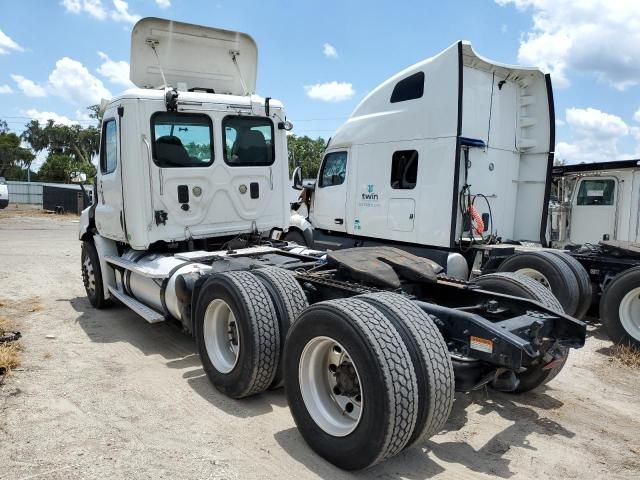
(338, 221)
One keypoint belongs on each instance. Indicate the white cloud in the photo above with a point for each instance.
(504, 28)
(163, 3)
(5, 89)
(560, 122)
(329, 51)
(595, 36)
(44, 117)
(116, 71)
(96, 9)
(596, 123)
(596, 136)
(93, 7)
(330, 91)
(29, 87)
(121, 12)
(636, 116)
(7, 44)
(72, 81)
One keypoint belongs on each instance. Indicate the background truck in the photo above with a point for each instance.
(451, 159)
(4, 193)
(190, 206)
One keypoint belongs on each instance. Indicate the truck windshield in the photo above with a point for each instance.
(596, 192)
(182, 139)
(248, 141)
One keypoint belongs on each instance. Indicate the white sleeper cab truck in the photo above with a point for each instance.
(4, 193)
(451, 159)
(191, 203)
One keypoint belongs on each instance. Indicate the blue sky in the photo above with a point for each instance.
(321, 58)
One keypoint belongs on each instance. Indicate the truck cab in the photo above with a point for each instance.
(191, 152)
(452, 134)
(4, 193)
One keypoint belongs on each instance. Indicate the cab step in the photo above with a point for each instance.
(134, 267)
(149, 314)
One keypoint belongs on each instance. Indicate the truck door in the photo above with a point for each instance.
(109, 212)
(594, 210)
(328, 208)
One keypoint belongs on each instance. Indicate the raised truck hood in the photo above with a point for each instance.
(193, 56)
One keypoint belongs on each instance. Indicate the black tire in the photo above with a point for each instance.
(297, 237)
(387, 382)
(584, 282)
(92, 275)
(561, 279)
(610, 307)
(259, 342)
(430, 357)
(289, 300)
(520, 285)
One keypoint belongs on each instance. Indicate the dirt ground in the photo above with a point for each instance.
(103, 394)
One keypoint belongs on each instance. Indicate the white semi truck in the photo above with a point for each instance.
(451, 159)
(190, 205)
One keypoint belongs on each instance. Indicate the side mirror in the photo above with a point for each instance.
(78, 177)
(297, 179)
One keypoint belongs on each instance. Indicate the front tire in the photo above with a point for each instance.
(237, 334)
(620, 308)
(350, 383)
(92, 275)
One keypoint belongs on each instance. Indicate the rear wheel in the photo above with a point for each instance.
(620, 308)
(584, 282)
(289, 300)
(350, 383)
(296, 237)
(430, 357)
(520, 285)
(551, 272)
(237, 334)
(92, 275)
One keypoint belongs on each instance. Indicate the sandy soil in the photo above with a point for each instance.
(103, 394)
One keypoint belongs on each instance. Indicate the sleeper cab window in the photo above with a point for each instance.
(182, 139)
(334, 169)
(109, 150)
(408, 88)
(404, 169)
(596, 192)
(248, 141)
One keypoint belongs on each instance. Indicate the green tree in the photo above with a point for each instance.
(12, 155)
(305, 152)
(76, 144)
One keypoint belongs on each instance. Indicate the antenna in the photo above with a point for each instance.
(234, 54)
(153, 43)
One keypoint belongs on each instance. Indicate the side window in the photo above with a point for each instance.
(408, 88)
(109, 150)
(182, 139)
(334, 169)
(596, 192)
(404, 169)
(248, 141)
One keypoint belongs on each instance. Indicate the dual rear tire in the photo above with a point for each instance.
(558, 272)
(365, 377)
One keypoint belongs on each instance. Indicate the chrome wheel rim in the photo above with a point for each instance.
(629, 312)
(221, 336)
(535, 275)
(330, 386)
(89, 276)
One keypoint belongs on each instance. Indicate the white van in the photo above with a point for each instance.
(4, 193)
